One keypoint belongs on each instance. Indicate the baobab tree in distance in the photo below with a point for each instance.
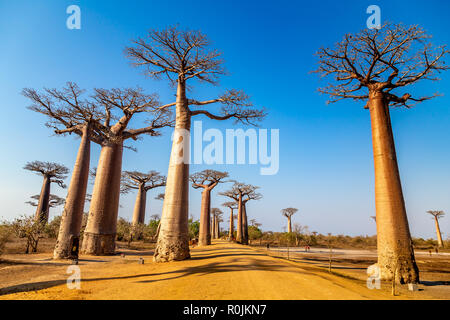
(437, 214)
(217, 218)
(370, 66)
(242, 193)
(143, 182)
(68, 113)
(100, 233)
(54, 201)
(232, 205)
(52, 173)
(207, 180)
(288, 213)
(184, 56)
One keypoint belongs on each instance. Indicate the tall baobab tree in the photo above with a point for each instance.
(437, 214)
(288, 213)
(217, 218)
(100, 233)
(370, 66)
(104, 119)
(185, 56)
(242, 193)
(69, 112)
(52, 173)
(232, 205)
(207, 180)
(143, 182)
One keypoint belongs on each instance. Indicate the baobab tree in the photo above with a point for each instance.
(373, 66)
(53, 202)
(288, 213)
(143, 182)
(52, 173)
(242, 193)
(100, 233)
(184, 56)
(232, 205)
(70, 113)
(106, 116)
(437, 214)
(216, 213)
(206, 180)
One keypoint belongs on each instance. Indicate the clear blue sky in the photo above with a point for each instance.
(326, 165)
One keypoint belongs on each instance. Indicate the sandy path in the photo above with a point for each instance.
(220, 271)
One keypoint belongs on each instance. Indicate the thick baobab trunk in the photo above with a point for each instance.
(44, 199)
(100, 233)
(67, 245)
(213, 227)
(438, 233)
(139, 206)
(244, 224)
(231, 229)
(139, 211)
(217, 226)
(173, 239)
(204, 236)
(239, 222)
(289, 225)
(394, 243)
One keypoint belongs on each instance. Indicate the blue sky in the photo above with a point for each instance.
(326, 165)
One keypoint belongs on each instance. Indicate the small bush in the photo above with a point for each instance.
(5, 236)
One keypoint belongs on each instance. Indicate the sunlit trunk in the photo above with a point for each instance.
(231, 229)
(244, 224)
(44, 199)
(67, 245)
(204, 237)
(213, 227)
(239, 222)
(100, 233)
(395, 250)
(139, 211)
(173, 239)
(139, 206)
(438, 233)
(217, 227)
(289, 225)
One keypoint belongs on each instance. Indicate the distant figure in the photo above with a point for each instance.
(429, 252)
(268, 246)
(437, 250)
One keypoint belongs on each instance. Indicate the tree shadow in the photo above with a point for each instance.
(210, 268)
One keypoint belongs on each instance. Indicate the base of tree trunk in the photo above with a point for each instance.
(63, 249)
(405, 268)
(98, 244)
(170, 249)
(205, 241)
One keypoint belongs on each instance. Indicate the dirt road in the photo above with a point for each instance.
(220, 271)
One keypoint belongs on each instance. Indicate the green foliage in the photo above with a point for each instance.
(194, 229)
(254, 233)
(51, 230)
(123, 230)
